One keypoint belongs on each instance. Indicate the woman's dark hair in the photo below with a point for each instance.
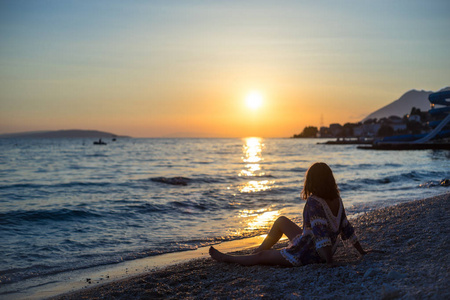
(319, 180)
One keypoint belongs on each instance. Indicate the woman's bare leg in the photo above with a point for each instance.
(281, 226)
(267, 257)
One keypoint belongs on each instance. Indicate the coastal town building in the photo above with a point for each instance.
(414, 118)
(415, 122)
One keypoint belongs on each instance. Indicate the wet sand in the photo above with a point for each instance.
(415, 265)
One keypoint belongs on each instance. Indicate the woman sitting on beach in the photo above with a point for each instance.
(324, 219)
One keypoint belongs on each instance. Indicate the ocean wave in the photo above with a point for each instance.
(364, 183)
(350, 186)
(192, 205)
(64, 214)
(413, 175)
(362, 166)
(172, 180)
(392, 165)
(184, 204)
(253, 176)
(436, 183)
(38, 270)
(338, 166)
(149, 208)
(184, 181)
(16, 274)
(21, 186)
(298, 170)
(58, 185)
(96, 155)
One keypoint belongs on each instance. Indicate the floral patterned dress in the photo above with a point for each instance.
(320, 228)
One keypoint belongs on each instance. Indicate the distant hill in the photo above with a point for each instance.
(187, 135)
(403, 105)
(73, 133)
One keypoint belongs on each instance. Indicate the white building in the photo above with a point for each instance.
(415, 118)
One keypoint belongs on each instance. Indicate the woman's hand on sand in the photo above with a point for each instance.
(374, 251)
(371, 251)
(335, 264)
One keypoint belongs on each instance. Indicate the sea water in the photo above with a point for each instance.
(66, 204)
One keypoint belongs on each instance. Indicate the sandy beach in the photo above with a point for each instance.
(415, 265)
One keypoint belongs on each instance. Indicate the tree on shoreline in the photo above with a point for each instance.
(385, 130)
(308, 132)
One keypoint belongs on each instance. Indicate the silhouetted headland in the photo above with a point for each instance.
(72, 133)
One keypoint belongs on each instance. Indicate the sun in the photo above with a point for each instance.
(254, 100)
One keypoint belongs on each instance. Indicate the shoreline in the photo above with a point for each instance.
(76, 280)
(92, 282)
(416, 265)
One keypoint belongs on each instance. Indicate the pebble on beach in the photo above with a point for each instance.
(395, 275)
(389, 292)
(369, 273)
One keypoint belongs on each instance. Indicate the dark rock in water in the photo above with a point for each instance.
(172, 180)
(445, 182)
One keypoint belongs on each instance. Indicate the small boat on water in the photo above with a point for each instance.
(99, 142)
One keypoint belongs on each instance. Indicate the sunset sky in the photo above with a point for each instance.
(186, 68)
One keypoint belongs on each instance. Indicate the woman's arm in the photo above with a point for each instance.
(361, 251)
(358, 247)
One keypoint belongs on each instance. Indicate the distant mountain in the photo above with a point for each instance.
(402, 106)
(73, 133)
(186, 135)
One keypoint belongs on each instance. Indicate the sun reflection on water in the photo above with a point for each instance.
(259, 219)
(252, 157)
(256, 186)
(252, 150)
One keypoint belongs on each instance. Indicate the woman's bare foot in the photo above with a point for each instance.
(217, 255)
